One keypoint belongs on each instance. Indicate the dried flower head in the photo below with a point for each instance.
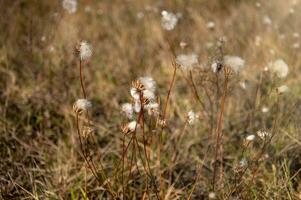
(279, 67)
(84, 50)
(81, 105)
(148, 82)
(169, 20)
(70, 5)
(187, 61)
(234, 62)
(128, 109)
(130, 127)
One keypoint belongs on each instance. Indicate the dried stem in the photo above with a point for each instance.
(219, 129)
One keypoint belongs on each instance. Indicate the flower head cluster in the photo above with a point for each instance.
(279, 67)
(187, 61)
(81, 105)
(169, 20)
(234, 62)
(70, 5)
(143, 97)
(84, 50)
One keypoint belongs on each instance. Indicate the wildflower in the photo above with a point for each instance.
(148, 83)
(250, 138)
(85, 50)
(187, 61)
(279, 67)
(191, 117)
(282, 89)
(81, 105)
(137, 106)
(265, 109)
(70, 5)
(130, 127)
(127, 108)
(234, 62)
(211, 25)
(169, 20)
(263, 134)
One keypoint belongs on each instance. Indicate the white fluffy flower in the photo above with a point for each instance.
(282, 89)
(191, 117)
(250, 138)
(152, 108)
(279, 67)
(187, 61)
(234, 62)
(128, 109)
(70, 5)
(169, 20)
(148, 83)
(137, 106)
(82, 105)
(134, 93)
(132, 126)
(85, 50)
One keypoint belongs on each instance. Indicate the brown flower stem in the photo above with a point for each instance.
(219, 129)
(82, 78)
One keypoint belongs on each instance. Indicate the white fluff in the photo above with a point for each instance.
(234, 62)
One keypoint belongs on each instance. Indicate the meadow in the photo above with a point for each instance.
(150, 99)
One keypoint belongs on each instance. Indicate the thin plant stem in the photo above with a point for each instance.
(82, 78)
(164, 118)
(219, 129)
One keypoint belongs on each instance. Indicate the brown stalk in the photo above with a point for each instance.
(219, 128)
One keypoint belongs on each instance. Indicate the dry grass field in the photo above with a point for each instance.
(150, 99)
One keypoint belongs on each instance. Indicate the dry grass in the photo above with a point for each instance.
(39, 81)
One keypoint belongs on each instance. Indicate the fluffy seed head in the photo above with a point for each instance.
(169, 20)
(130, 127)
(84, 50)
(148, 83)
(191, 117)
(187, 61)
(234, 62)
(70, 5)
(81, 105)
(128, 109)
(279, 67)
